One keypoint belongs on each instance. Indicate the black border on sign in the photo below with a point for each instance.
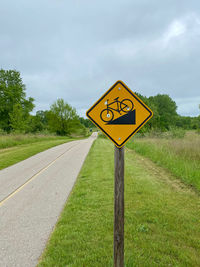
(140, 101)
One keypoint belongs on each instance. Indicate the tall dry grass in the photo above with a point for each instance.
(187, 148)
(180, 156)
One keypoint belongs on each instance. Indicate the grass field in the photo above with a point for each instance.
(162, 216)
(11, 140)
(180, 156)
(14, 148)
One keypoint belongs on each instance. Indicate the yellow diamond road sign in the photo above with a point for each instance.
(119, 113)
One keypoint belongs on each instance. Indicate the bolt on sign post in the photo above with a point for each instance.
(119, 114)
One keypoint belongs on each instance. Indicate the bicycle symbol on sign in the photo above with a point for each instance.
(107, 114)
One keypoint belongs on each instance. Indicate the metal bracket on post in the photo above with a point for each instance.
(119, 208)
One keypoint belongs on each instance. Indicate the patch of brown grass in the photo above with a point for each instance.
(187, 147)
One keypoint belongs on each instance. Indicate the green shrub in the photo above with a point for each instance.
(2, 132)
(177, 132)
(101, 135)
(174, 132)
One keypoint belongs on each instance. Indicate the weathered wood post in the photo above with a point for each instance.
(119, 208)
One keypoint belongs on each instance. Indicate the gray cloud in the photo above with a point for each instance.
(77, 49)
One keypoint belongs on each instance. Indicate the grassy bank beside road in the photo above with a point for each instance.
(161, 216)
(11, 140)
(17, 149)
(180, 156)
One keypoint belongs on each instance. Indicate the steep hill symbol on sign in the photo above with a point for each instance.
(128, 118)
(125, 106)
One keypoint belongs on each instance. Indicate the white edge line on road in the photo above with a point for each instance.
(33, 177)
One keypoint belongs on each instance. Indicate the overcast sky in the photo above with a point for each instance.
(76, 49)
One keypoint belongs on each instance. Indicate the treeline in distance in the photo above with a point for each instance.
(62, 118)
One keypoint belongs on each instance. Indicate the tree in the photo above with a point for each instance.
(38, 122)
(154, 122)
(17, 122)
(12, 100)
(86, 122)
(42, 115)
(62, 117)
(166, 109)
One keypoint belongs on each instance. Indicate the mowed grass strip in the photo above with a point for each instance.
(180, 156)
(162, 217)
(10, 140)
(12, 155)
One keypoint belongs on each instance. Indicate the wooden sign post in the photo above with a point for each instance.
(119, 208)
(119, 114)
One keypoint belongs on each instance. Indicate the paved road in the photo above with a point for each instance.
(32, 195)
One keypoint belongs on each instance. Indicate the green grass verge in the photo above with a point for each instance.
(12, 155)
(183, 167)
(161, 217)
(11, 140)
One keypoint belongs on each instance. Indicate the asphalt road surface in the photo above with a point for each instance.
(32, 195)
